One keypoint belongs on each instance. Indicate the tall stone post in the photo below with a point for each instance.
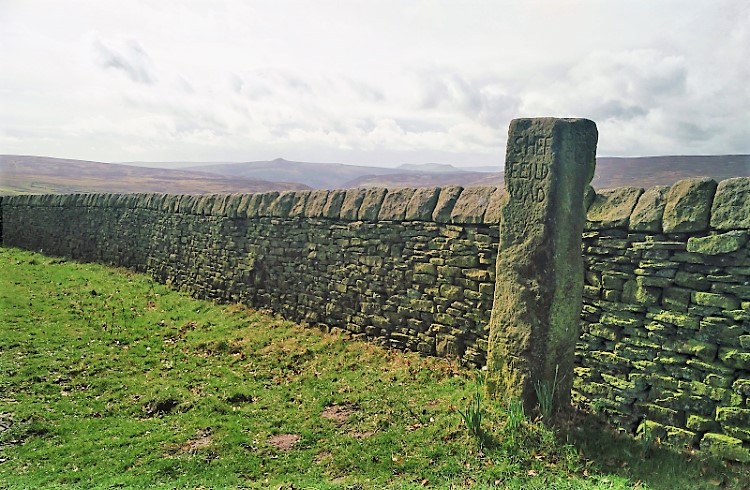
(539, 281)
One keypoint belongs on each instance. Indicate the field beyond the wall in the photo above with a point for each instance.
(110, 380)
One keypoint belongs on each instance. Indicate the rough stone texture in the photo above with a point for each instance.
(316, 202)
(415, 285)
(371, 203)
(352, 203)
(446, 201)
(588, 197)
(611, 208)
(395, 203)
(731, 206)
(265, 207)
(664, 335)
(649, 210)
(497, 200)
(726, 447)
(539, 280)
(422, 204)
(471, 205)
(283, 204)
(688, 205)
(332, 207)
(718, 244)
(300, 203)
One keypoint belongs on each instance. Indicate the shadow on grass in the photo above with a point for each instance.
(608, 450)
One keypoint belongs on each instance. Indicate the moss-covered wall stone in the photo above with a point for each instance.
(665, 317)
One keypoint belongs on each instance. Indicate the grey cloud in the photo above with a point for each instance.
(366, 91)
(692, 132)
(483, 98)
(617, 109)
(296, 83)
(442, 87)
(498, 108)
(132, 60)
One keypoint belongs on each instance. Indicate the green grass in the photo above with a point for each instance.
(108, 380)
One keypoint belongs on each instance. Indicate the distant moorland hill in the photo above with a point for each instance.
(666, 170)
(20, 174)
(30, 174)
(610, 172)
(316, 175)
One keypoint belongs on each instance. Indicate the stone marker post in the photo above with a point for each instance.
(539, 281)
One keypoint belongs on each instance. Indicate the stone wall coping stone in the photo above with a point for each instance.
(422, 204)
(611, 208)
(332, 207)
(445, 203)
(688, 205)
(649, 210)
(300, 203)
(731, 204)
(395, 203)
(471, 205)
(316, 201)
(352, 203)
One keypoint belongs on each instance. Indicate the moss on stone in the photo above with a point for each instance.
(688, 205)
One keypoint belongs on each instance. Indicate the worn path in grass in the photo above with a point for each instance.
(108, 380)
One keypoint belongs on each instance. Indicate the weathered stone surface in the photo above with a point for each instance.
(394, 204)
(725, 447)
(723, 301)
(316, 202)
(731, 205)
(371, 202)
(718, 244)
(497, 199)
(231, 208)
(588, 197)
(265, 205)
(471, 205)
(422, 204)
(648, 212)
(332, 207)
(283, 204)
(539, 279)
(446, 201)
(300, 203)
(612, 207)
(352, 203)
(688, 205)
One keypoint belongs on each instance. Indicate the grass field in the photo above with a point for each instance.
(108, 380)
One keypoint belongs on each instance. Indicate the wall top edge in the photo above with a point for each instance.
(689, 205)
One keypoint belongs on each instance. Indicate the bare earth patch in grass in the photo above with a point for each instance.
(284, 442)
(362, 435)
(338, 414)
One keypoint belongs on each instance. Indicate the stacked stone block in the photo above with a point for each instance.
(412, 268)
(666, 316)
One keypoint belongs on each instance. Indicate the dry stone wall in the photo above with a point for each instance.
(665, 336)
(412, 268)
(665, 327)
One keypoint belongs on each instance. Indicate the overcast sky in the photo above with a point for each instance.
(368, 82)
